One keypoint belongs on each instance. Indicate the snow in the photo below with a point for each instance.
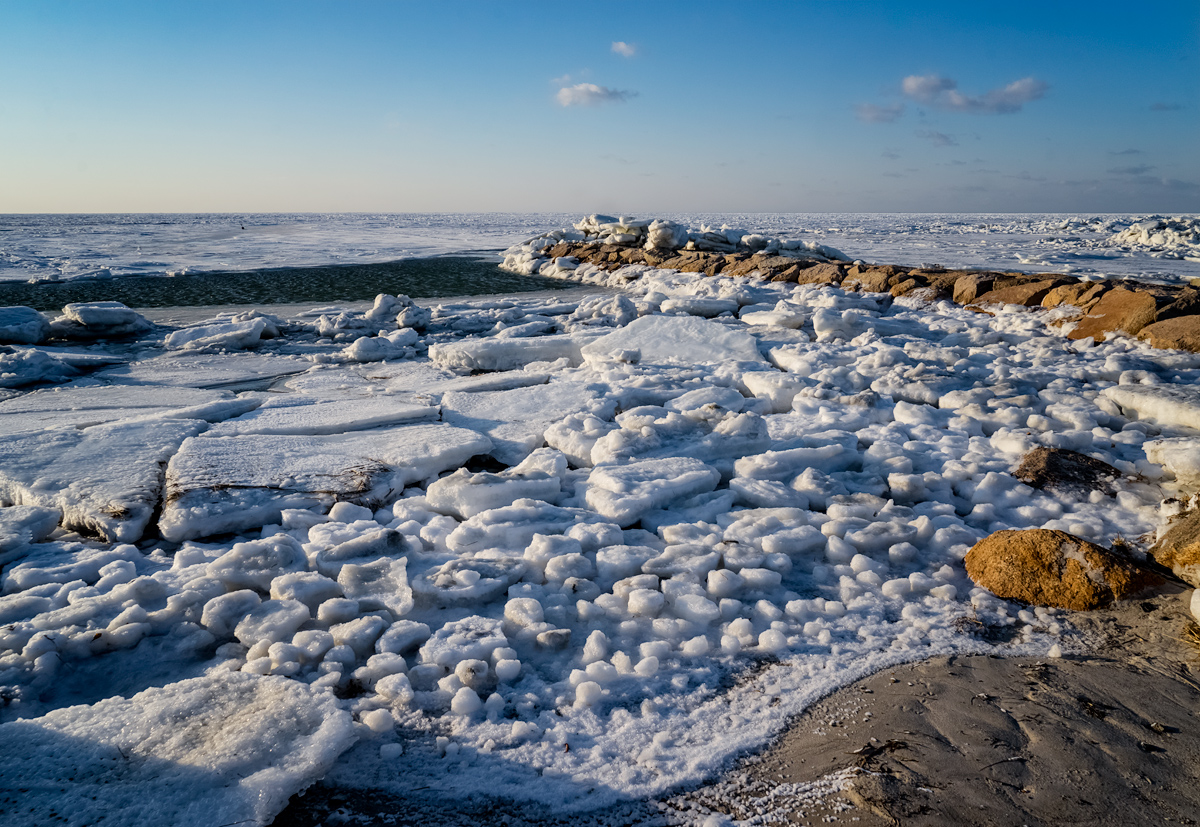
(222, 749)
(622, 523)
(23, 325)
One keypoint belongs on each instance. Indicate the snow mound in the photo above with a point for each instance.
(675, 339)
(229, 748)
(1169, 237)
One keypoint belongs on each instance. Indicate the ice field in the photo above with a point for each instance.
(569, 549)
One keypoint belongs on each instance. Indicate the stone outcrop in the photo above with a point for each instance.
(1053, 568)
(1179, 549)
(1164, 316)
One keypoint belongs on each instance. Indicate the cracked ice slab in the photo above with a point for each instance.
(228, 748)
(516, 420)
(106, 479)
(1165, 404)
(676, 339)
(217, 484)
(87, 406)
(623, 493)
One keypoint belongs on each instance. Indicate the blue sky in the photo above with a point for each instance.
(482, 106)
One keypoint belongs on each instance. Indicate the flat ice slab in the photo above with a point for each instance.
(87, 406)
(228, 748)
(676, 339)
(506, 354)
(302, 414)
(1165, 404)
(106, 479)
(516, 420)
(205, 370)
(231, 483)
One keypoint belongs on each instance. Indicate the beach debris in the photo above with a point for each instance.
(1053, 568)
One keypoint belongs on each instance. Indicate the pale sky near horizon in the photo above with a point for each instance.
(632, 108)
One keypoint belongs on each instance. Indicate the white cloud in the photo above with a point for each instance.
(870, 113)
(624, 49)
(942, 93)
(589, 94)
(937, 138)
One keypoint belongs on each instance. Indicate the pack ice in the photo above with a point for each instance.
(570, 551)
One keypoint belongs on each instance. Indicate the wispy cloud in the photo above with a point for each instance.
(870, 113)
(891, 156)
(942, 93)
(624, 49)
(1141, 169)
(937, 138)
(589, 94)
(1165, 107)
(1127, 152)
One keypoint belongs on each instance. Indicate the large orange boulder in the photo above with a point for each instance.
(1179, 549)
(1180, 333)
(1053, 568)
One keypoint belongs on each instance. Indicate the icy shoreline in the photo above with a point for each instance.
(563, 549)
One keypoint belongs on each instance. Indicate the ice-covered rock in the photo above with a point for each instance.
(677, 340)
(219, 484)
(106, 480)
(227, 748)
(23, 325)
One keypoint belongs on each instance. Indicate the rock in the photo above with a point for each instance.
(904, 288)
(1121, 309)
(874, 279)
(1179, 549)
(821, 274)
(1180, 333)
(1053, 568)
(1080, 294)
(970, 286)
(1065, 472)
(1029, 294)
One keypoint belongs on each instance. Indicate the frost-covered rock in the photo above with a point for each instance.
(227, 748)
(219, 484)
(23, 325)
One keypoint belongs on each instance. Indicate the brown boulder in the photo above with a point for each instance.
(1053, 568)
(1066, 472)
(1082, 294)
(1118, 309)
(1028, 293)
(874, 279)
(970, 286)
(904, 287)
(1180, 333)
(821, 274)
(1179, 549)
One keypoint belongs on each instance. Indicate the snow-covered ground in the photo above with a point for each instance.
(59, 247)
(558, 549)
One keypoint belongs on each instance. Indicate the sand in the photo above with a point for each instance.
(1106, 736)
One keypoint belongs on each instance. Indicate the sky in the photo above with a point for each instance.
(630, 108)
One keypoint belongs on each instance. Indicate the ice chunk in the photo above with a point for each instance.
(302, 414)
(217, 484)
(396, 345)
(106, 480)
(677, 339)
(506, 353)
(381, 582)
(624, 493)
(464, 494)
(221, 336)
(95, 320)
(516, 420)
(472, 638)
(1177, 405)
(227, 748)
(23, 325)
(21, 525)
(513, 527)
(467, 581)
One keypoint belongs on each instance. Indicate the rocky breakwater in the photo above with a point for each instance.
(607, 250)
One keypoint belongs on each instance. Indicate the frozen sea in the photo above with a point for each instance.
(572, 549)
(271, 252)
